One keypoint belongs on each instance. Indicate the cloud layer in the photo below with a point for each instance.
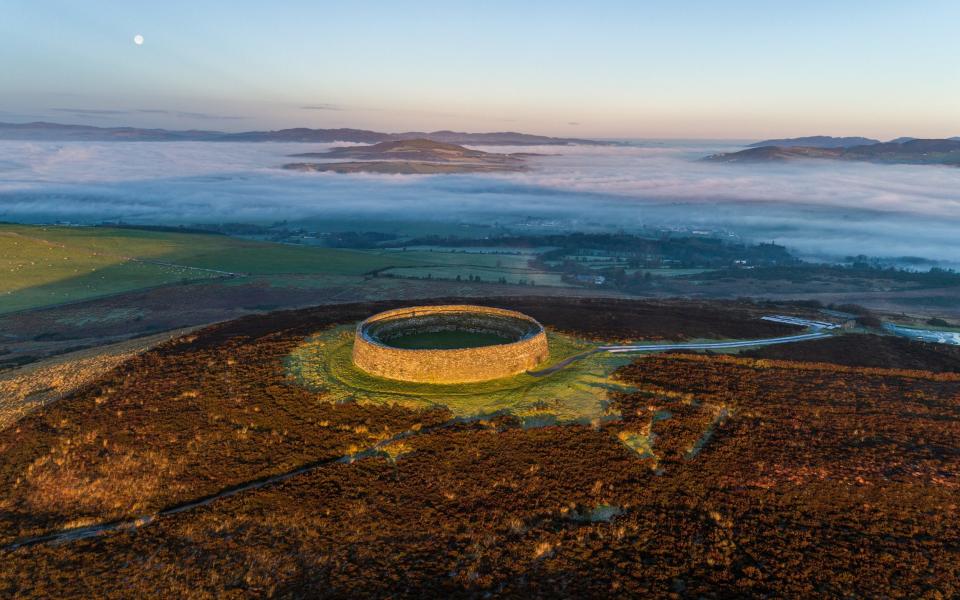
(821, 209)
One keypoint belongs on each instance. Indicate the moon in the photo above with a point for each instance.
(138, 39)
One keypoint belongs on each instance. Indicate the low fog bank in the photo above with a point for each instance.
(821, 209)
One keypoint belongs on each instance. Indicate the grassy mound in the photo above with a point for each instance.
(575, 394)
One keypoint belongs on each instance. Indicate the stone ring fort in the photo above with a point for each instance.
(449, 344)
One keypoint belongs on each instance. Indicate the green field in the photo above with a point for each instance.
(667, 272)
(439, 256)
(575, 394)
(600, 262)
(485, 264)
(52, 265)
(443, 340)
(466, 272)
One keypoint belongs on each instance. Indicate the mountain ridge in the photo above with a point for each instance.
(48, 131)
(829, 141)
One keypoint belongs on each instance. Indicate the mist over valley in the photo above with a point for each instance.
(822, 210)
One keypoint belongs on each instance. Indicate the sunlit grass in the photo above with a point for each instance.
(40, 266)
(27, 261)
(575, 394)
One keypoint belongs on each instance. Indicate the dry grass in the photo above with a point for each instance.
(27, 388)
(819, 472)
(123, 478)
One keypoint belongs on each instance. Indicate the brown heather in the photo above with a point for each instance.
(24, 389)
(821, 481)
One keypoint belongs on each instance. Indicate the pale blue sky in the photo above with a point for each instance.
(739, 69)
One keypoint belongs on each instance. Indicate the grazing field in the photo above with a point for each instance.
(505, 259)
(485, 264)
(465, 272)
(667, 272)
(52, 265)
(716, 477)
(198, 251)
(40, 271)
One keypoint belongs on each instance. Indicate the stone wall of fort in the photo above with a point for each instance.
(462, 365)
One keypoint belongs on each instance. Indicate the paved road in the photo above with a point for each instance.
(801, 337)
(716, 345)
(951, 338)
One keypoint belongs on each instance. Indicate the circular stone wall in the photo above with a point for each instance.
(526, 348)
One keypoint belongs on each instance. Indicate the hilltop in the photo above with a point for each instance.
(410, 156)
(246, 459)
(936, 151)
(900, 140)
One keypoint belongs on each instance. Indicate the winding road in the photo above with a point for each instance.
(816, 330)
(717, 345)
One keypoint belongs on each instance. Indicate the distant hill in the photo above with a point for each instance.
(900, 140)
(935, 152)
(61, 132)
(826, 141)
(41, 131)
(408, 157)
(416, 149)
(774, 153)
(816, 141)
(304, 134)
(499, 138)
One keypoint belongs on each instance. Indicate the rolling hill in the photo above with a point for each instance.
(816, 141)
